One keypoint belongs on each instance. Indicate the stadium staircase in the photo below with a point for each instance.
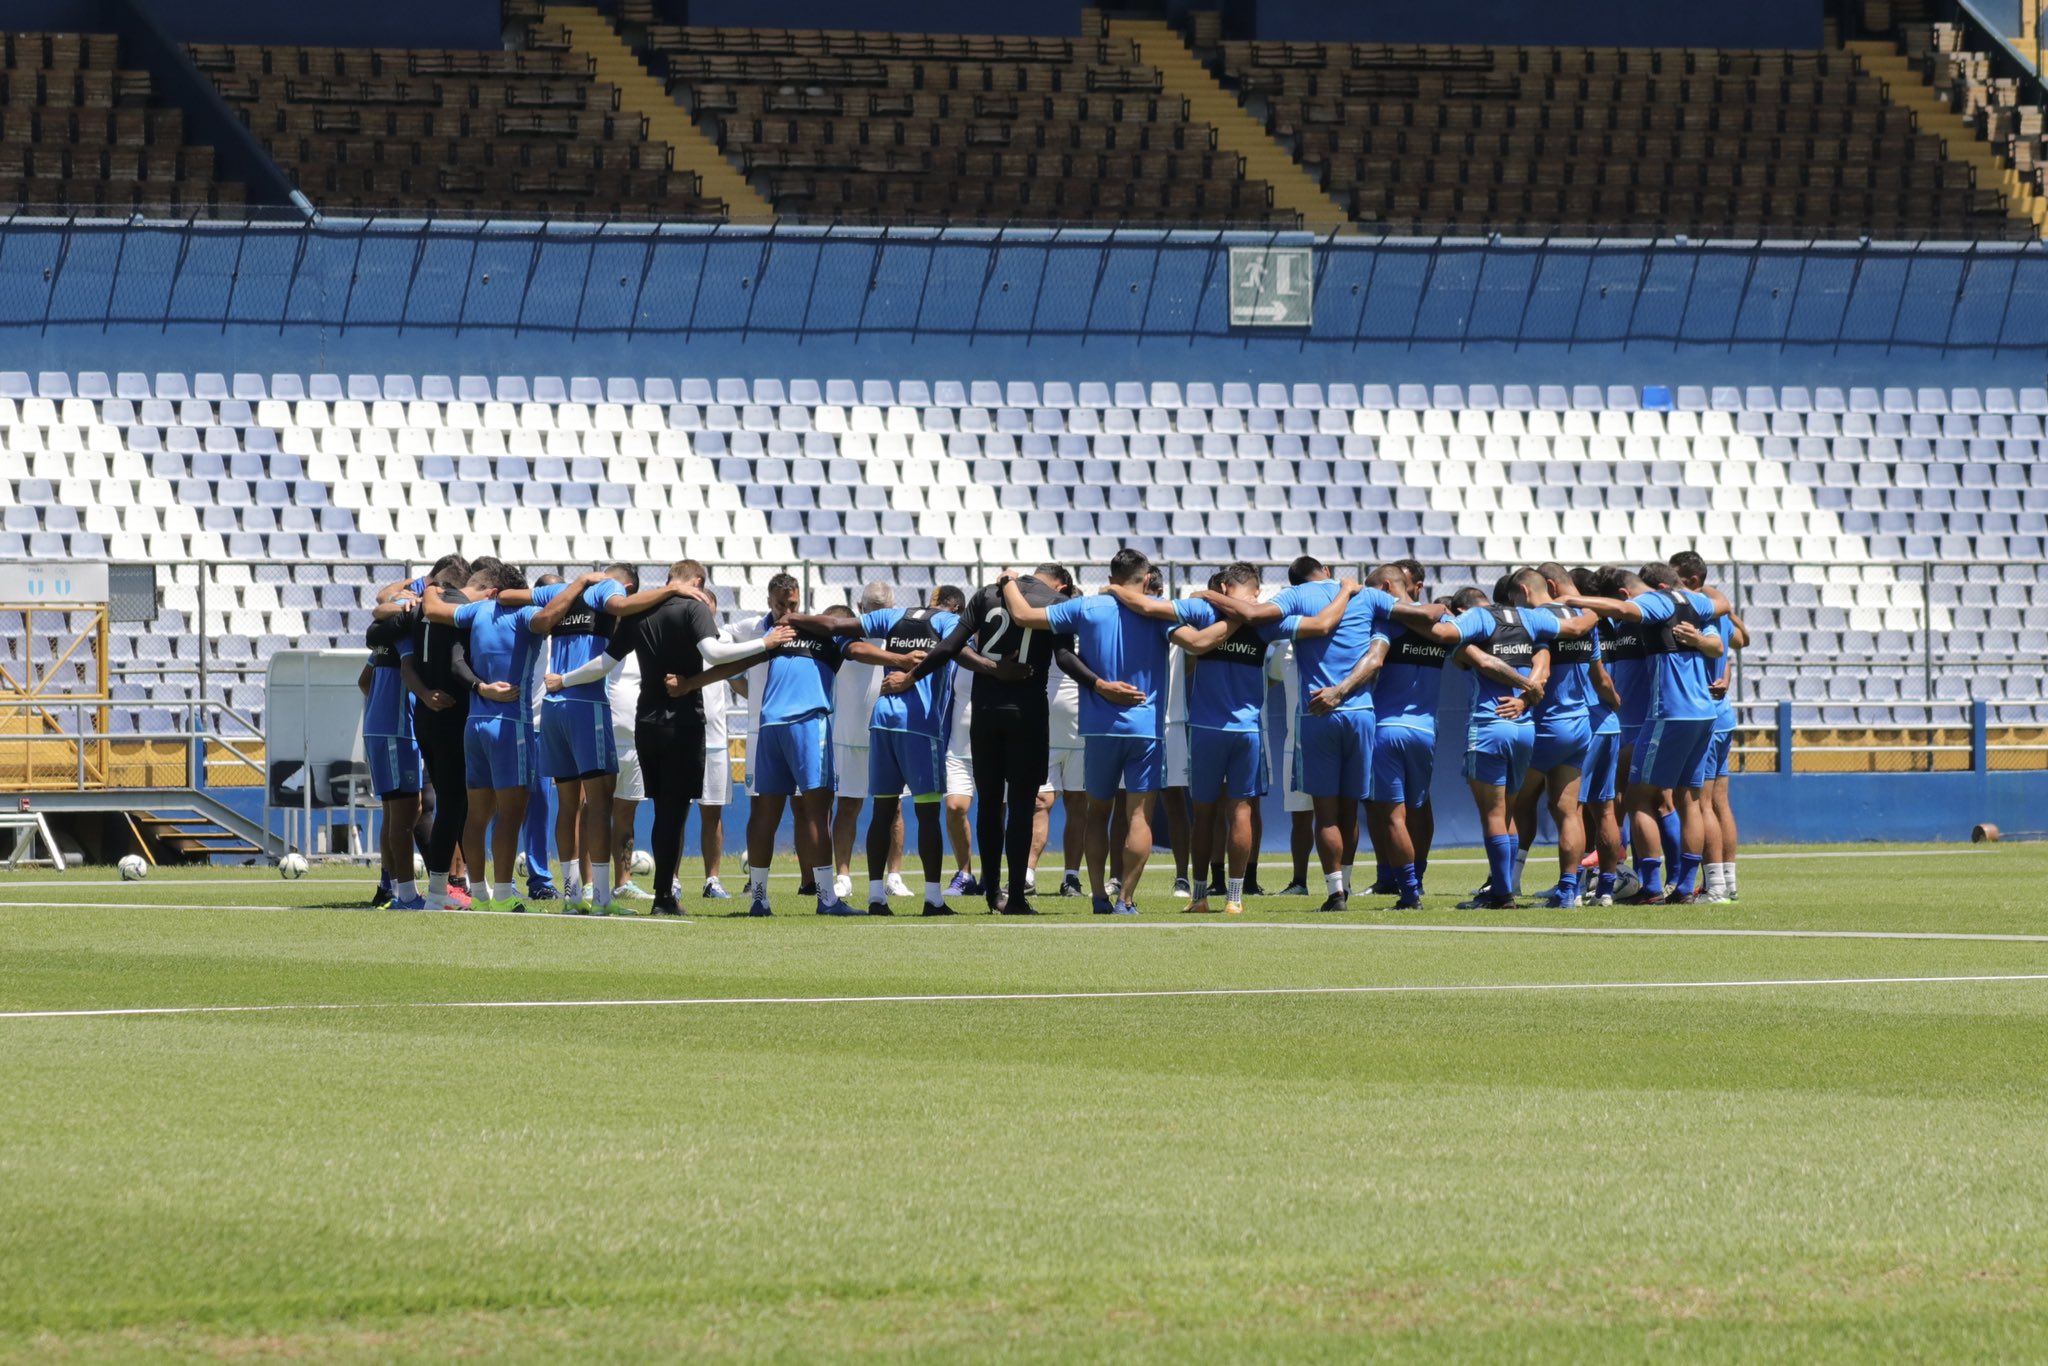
(1237, 132)
(1908, 89)
(173, 825)
(591, 34)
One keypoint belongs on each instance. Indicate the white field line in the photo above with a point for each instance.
(345, 910)
(320, 876)
(1396, 927)
(1004, 997)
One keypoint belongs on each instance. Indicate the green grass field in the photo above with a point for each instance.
(1321, 1137)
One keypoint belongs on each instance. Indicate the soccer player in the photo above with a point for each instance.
(907, 742)
(438, 676)
(1623, 651)
(1670, 761)
(854, 693)
(1120, 716)
(1719, 869)
(1398, 816)
(629, 788)
(1282, 669)
(1067, 768)
(676, 644)
(1009, 740)
(1564, 733)
(1173, 797)
(533, 830)
(1597, 791)
(960, 765)
(498, 744)
(716, 793)
(1333, 626)
(396, 774)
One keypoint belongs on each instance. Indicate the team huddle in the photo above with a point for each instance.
(1599, 696)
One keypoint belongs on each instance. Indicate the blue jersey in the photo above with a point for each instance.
(1406, 691)
(1601, 719)
(925, 709)
(1123, 647)
(385, 710)
(1227, 686)
(799, 677)
(1328, 660)
(1724, 720)
(501, 650)
(582, 636)
(1628, 668)
(1568, 697)
(1678, 676)
(1512, 635)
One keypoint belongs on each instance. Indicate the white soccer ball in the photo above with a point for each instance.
(133, 868)
(292, 866)
(643, 863)
(519, 865)
(419, 868)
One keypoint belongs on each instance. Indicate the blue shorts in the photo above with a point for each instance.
(795, 756)
(898, 759)
(1718, 753)
(395, 768)
(1403, 765)
(1631, 736)
(1673, 754)
(1602, 762)
(1561, 744)
(1333, 755)
(497, 752)
(576, 740)
(1136, 763)
(1225, 764)
(1498, 753)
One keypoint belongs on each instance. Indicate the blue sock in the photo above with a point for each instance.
(1500, 864)
(1568, 885)
(1410, 880)
(1688, 871)
(1667, 829)
(1421, 871)
(1651, 871)
(1382, 873)
(1605, 886)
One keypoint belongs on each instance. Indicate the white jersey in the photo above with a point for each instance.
(957, 743)
(718, 704)
(1282, 668)
(1176, 686)
(622, 691)
(854, 690)
(1063, 709)
(537, 684)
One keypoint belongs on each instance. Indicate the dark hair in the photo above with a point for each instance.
(1506, 592)
(780, 583)
(509, 576)
(1689, 565)
(1467, 598)
(948, 598)
(1587, 581)
(1531, 581)
(1658, 575)
(1390, 578)
(484, 564)
(1414, 568)
(1155, 582)
(1057, 573)
(1216, 582)
(1241, 572)
(1553, 572)
(838, 611)
(1127, 564)
(449, 565)
(626, 574)
(546, 580)
(1304, 568)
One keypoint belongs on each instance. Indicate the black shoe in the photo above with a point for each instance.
(930, 909)
(382, 897)
(998, 900)
(1644, 898)
(460, 884)
(665, 905)
(1677, 898)
(1017, 904)
(542, 891)
(1336, 901)
(807, 889)
(1252, 887)
(879, 908)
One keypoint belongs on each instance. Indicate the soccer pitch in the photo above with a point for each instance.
(1442, 1136)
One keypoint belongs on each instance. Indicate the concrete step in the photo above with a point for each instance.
(1959, 137)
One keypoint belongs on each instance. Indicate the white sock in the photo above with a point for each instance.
(1728, 878)
(572, 888)
(1333, 883)
(481, 890)
(823, 877)
(1521, 857)
(757, 881)
(934, 893)
(878, 890)
(405, 891)
(437, 884)
(1031, 878)
(601, 883)
(1350, 878)
(1074, 873)
(1233, 889)
(1710, 878)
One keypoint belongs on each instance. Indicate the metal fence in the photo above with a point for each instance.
(1875, 663)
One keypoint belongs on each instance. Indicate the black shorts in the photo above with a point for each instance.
(671, 759)
(1010, 747)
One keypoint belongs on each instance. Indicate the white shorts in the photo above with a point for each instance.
(717, 777)
(629, 786)
(850, 767)
(1068, 771)
(1296, 800)
(1176, 754)
(959, 774)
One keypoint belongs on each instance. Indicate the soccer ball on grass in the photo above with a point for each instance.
(643, 863)
(292, 866)
(133, 868)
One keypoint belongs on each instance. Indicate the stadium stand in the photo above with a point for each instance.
(272, 501)
(82, 131)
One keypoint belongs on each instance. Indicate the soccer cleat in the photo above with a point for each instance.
(1485, 901)
(1252, 887)
(1017, 904)
(666, 905)
(541, 891)
(1335, 901)
(1642, 897)
(963, 885)
(1233, 908)
(381, 897)
(1295, 889)
(1713, 898)
(577, 907)
(1407, 901)
(460, 896)
(715, 890)
(1181, 888)
(1103, 905)
(930, 909)
(418, 903)
(445, 902)
(1071, 886)
(842, 886)
(897, 886)
(996, 901)
(1602, 899)
(1113, 887)
(627, 889)
(807, 888)
(758, 907)
(1383, 889)
(1674, 897)
(837, 907)
(1125, 908)
(1198, 905)
(1563, 901)
(510, 906)
(879, 908)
